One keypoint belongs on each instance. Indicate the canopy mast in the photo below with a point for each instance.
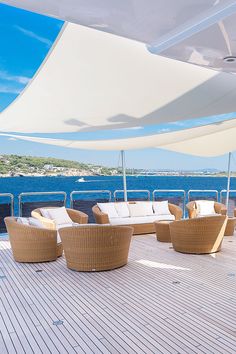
(228, 182)
(124, 175)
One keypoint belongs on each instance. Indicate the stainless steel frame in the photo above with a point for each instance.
(28, 194)
(132, 191)
(203, 191)
(11, 196)
(89, 192)
(181, 191)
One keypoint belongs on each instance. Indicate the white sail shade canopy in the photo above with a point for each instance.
(195, 31)
(209, 140)
(93, 80)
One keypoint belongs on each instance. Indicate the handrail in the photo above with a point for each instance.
(225, 191)
(171, 191)
(89, 192)
(11, 196)
(132, 191)
(203, 191)
(28, 194)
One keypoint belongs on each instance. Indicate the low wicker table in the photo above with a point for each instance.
(162, 228)
(231, 223)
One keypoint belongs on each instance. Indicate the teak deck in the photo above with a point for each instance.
(161, 302)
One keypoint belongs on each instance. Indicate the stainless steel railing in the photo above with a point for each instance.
(203, 191)
(174, 196)
(133, 191)
(29, 194)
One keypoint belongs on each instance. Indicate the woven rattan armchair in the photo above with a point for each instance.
(102, 218)
(76, 216)
(32, 244)
(96, 248)
(192, 210)
(198, 235)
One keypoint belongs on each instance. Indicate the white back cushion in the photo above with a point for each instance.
(45, 213)
(147, 208)
(205, 207)
(23, 221)
(35, 222)
(122, 209)
(109, 209)
(136, 210)
(59, 215)
(161, 208)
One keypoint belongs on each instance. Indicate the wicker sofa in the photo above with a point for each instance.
(96, 248)
(198, 235)
(32, 244)
(76, 216)
(193, 213)
(141, 225)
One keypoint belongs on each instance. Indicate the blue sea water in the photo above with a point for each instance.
(17, 185)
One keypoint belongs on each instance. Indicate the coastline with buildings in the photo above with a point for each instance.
(15, 165)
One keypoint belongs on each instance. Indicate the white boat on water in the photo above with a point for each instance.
(81, 179)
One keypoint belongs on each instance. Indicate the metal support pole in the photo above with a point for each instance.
(228, 182)
(124, 175)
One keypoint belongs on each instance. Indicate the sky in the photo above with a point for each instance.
(25, 39)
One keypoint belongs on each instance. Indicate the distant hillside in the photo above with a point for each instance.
(14, 165)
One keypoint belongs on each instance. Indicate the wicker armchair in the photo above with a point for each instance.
(192, 210)
(102, 218)
(32, 244)
(75, 215)
(198, 235)
(96, 248)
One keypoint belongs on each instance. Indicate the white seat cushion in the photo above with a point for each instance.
(122, 209)
(140, 219)
(109, 209)
(60, 216)
(161, 208)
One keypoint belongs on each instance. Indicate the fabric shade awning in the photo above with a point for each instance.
(195, 31)
(92, 80)
(209, 140)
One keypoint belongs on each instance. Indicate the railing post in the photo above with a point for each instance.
(124, 175)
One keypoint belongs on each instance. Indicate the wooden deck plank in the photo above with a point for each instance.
(161, 302)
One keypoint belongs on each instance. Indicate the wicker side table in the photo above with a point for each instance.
(230, 226)
(162, 228)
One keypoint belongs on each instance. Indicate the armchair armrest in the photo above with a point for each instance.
(100, 217)
(77, 216)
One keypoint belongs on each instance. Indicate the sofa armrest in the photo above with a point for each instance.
(176, 211)
(192, 211)
(220, 208)
(77, 216)
(100, 217)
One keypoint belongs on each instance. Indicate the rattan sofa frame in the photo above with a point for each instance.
(96, 248)
(139, 229)
(32, 244)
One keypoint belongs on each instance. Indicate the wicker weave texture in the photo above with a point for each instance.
(139, 229)
(75, 215)
(32, 244)
(96, 248)
(192, 211)
(198, 235)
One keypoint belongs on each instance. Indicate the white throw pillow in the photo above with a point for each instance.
(136, 210)
(23, 221)
(161, 208)
(205, 207)
(109, 209)
(60, 215)
(35, 222)
(45, 213)
(122, 209)
(147, 208)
